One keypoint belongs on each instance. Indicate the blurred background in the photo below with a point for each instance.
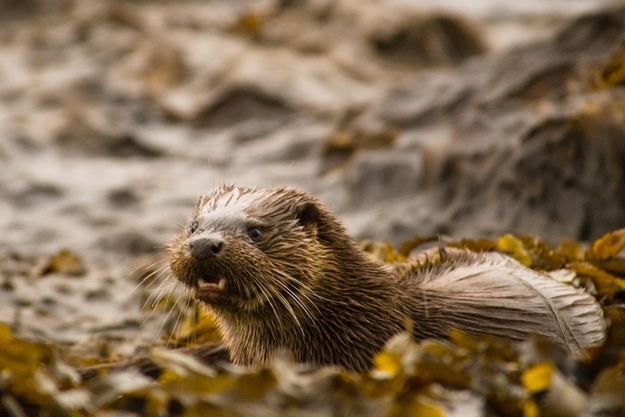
(467, 119)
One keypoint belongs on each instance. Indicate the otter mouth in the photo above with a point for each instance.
(211, 285)
(218, 291)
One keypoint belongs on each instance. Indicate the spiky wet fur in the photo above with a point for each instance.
(306, 288)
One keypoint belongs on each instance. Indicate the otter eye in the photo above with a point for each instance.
(193, 227)
(254, 233)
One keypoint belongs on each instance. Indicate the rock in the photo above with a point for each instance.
(378, 177)
(129, 243)
(539, 152)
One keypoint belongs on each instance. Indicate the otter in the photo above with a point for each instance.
(280, 272)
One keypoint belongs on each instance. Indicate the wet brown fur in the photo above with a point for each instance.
(306, 288)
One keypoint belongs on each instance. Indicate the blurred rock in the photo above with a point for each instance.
(534, 148)
(129, 243)
(64, 262)
(123, 198)
(22, 9)
(428, 40)
(377, 177)
(36, 194)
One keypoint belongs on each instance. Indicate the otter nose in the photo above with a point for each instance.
(205, 247)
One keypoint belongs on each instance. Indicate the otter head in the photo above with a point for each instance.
(246, 249)
(280, 272)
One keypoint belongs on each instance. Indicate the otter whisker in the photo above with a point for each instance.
(157, 279)
(181, 316)
(265, 292)
(196, 307)
(146, 277)
(156, 294)
(144, 267)
(289, 308)
(275, 294)
(298, 287)
(158, 259)
(183, 312)
(247, 291)
(310, 290)
(298, 302)
(154, 276)
(167, 318)
(153, 299)
(239, 287)
(163, 284)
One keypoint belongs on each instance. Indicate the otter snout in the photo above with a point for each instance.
(206, 247)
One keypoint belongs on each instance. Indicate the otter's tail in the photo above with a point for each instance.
(490, 293)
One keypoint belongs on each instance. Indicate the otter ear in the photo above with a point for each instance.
(307, 213)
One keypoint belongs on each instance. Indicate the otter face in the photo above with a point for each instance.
(244, 249)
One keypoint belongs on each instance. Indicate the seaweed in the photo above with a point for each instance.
(481, 375)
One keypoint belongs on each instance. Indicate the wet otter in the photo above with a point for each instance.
(279, 271)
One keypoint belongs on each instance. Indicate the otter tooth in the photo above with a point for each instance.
(222, 284)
